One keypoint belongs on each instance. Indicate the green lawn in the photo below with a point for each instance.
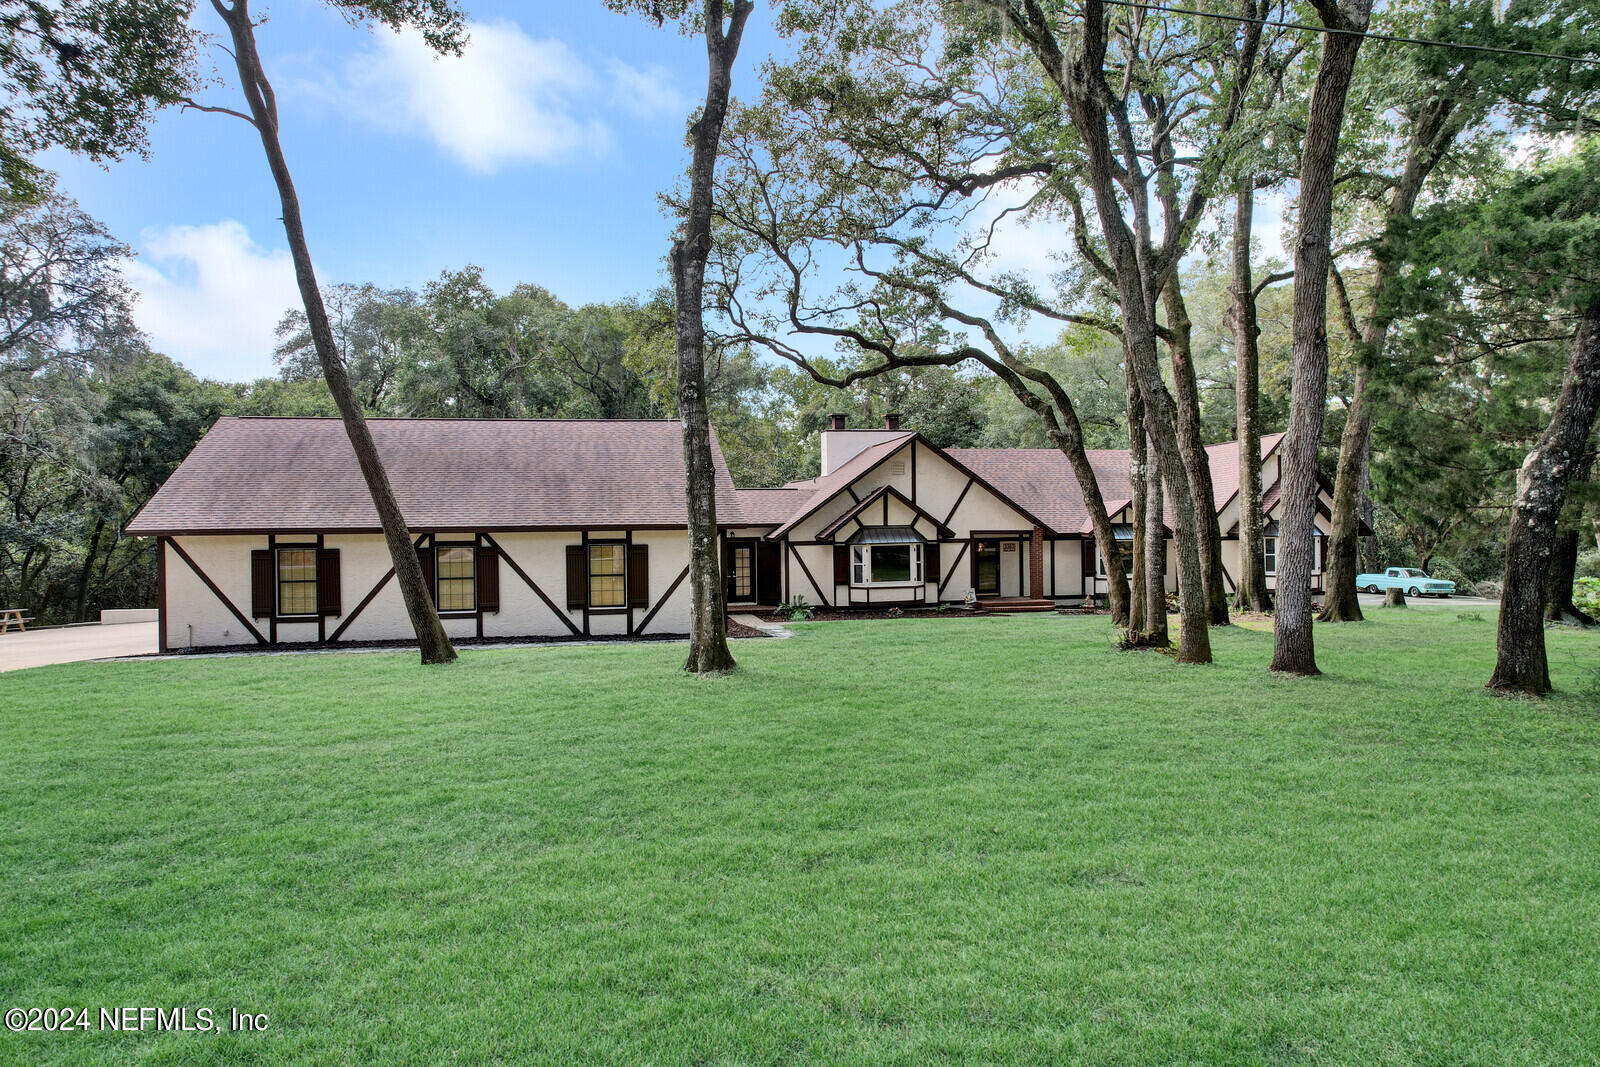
(881, 842)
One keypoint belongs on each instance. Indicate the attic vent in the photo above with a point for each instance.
(897, 466)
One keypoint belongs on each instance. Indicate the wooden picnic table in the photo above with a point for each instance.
(13, 615)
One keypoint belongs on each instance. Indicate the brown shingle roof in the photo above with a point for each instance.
(300, 474)
(765, 507)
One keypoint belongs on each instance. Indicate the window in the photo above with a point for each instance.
(297, 581)
(608, 566)
(1127, 562)
(899, 564)
(742, 555)
(457, 582)
(1269, 554)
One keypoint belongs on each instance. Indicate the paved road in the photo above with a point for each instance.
(1455, 603)
(70, 644)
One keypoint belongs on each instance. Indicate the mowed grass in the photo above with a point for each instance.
(975, 840)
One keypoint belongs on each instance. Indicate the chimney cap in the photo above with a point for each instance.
(891, 421)
(836, 421)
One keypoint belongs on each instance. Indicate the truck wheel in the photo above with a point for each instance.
(1413, 591)
(1372, 589)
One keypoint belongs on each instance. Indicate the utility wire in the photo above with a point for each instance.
(1389, 38)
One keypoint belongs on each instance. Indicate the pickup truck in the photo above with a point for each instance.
(1413, 581)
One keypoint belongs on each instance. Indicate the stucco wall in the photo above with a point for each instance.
(196, 617)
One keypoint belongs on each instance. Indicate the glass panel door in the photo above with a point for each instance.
(987, 553)
(742, 572)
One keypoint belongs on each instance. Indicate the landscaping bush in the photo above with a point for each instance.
(1589, 563)
(1487, 590)
(1586, 595)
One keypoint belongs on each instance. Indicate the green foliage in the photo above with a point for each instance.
(1586, 596)
(87, 75)
(796, 610)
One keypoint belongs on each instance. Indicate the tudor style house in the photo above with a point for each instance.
(574, 528)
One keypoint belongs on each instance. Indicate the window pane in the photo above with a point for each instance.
(607, 586)
(1269, 554)
(457, 586)
(891, 563)
(297, 581)
(741, 571)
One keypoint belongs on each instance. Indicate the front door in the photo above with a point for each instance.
(986, 567)
(740, 572)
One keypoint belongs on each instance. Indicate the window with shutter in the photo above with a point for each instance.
(638, 576)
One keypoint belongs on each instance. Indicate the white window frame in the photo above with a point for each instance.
(861, 565)
(1267, 539)
(1100, 563)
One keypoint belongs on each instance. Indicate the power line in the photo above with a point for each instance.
(1385, 37)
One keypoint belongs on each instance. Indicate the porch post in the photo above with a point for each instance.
(1036, 565)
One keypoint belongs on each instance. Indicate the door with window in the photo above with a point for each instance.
(986, 568)
(739, 572)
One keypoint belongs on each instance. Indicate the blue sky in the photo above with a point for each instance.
(539, 155)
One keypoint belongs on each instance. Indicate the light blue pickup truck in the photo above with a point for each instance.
(1413, 581)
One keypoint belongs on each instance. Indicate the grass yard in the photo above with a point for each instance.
(992, 839)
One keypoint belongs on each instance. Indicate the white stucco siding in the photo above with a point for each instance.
(196, 617)
(1068, 556)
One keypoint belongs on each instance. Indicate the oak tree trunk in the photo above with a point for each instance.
(431, 638)
(1138, 468)
(1563, 577)
(708, 624)
(1520, 664)
(1155, 555)
(1252, 578)
(1342, 564)
(1191, 441)
(1295, 651)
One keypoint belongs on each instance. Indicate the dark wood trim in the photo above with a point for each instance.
(627, 576)
(272, 620)
(218, 593)
(884, 492)
(798, 558)
(161, 593)
(959, 498)
(913, 470)
(851, 490)
(311, 531)
(530, 583)
(583, 539)
(1052, 545)
(785, 551)
(954, 564)
(673, 588)
(477, 604)
(322, 620)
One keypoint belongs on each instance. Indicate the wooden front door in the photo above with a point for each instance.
(986, 568)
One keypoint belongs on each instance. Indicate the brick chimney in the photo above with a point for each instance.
(891, 421)
(835, 422)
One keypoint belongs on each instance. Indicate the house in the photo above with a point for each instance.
(574, 528)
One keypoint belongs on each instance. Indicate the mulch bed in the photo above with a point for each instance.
(740, 631)
(830, 615)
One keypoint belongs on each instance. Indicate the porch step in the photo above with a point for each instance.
(1015, 605)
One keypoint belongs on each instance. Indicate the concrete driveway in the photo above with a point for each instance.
(72, 644)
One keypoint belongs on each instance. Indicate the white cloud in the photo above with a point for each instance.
(211, 298)
(508, 98)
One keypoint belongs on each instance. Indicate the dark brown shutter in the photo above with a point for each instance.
(261, 598)
(841, 564)
(328, 582)
(768, 589)
(930, 563)
(577, 577)
(488, 571)
(425, 557)
(1088, 557)
(638, 576)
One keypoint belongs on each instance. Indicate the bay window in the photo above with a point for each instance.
(893, 563)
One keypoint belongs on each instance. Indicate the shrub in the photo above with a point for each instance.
(796, 610)
(1586, 596)
(1589, 563)
(1487, 590)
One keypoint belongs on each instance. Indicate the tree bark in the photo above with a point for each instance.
(1155, 555)
(1434, 128)
(708, 624)
(1191, 442)
(1395, 597)
(1138, 467)
(1562, 578)
(1520, 664)
(1295, 651)
(431, 638)
(1253, 594)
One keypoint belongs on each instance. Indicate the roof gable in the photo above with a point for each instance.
(827, 532)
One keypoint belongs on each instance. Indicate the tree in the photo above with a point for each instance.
(440, 25)
(87, 75)
(1460, 110)
(1294, 652)
(1252, 593)
(1526, 256)
(723, 29)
